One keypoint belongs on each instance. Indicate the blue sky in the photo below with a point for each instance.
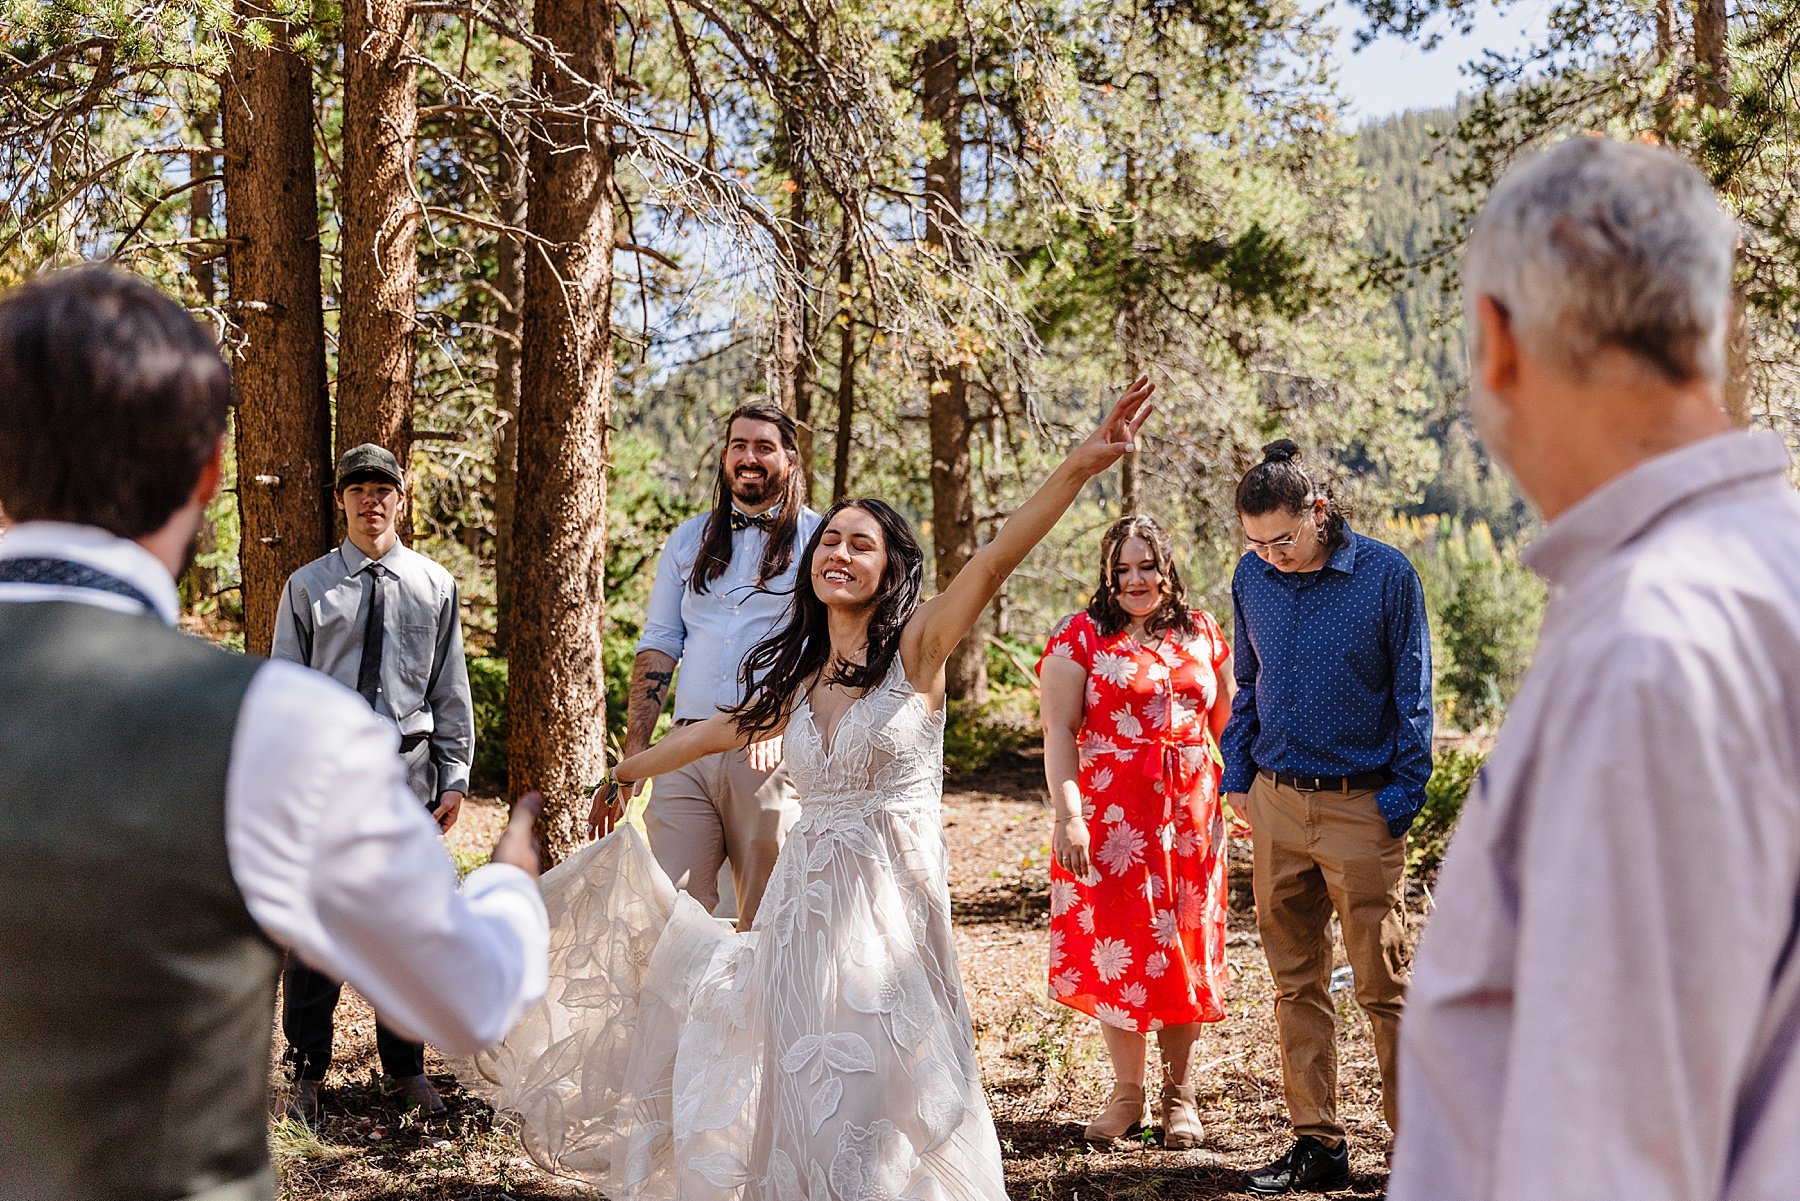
(1391, 76)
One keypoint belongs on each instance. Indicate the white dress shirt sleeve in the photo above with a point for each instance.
(338, 862)
(664, 629)
(1651, 857)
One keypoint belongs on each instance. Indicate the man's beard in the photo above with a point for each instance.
(755, 490)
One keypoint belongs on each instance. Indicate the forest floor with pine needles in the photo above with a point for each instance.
(1044, 1066)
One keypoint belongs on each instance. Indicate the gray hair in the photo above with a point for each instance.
(1601, 244)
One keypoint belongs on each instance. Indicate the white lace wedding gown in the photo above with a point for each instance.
(825, 1054)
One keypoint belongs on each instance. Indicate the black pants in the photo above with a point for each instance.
(308, 1006)
(309, 998)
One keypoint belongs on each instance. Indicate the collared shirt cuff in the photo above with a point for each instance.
(1400, 804)
(1237, 777)
(453, 783)
(671, 647)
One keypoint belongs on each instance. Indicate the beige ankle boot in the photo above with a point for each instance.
(1180, 1120)
(1124, 1115)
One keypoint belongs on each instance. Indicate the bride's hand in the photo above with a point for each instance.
(764, 756)
(1117, 435)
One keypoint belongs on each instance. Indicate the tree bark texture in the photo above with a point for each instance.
(556, 700)
(846, 381)
(509, 281)
(1712, 53)
(377, 349)
(791, 349)
(953, 529)
(272, 262)
(201, 582)
(1131, 329)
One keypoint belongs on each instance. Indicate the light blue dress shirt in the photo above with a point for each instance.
(710, 632)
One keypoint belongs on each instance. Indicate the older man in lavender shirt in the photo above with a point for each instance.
(1607, 1002)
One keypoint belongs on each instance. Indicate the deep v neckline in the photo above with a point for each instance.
(812, 713)
(827, 746)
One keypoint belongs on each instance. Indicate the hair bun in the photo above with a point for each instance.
(1282, 450)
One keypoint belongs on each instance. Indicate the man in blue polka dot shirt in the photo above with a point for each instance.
(1326, 756)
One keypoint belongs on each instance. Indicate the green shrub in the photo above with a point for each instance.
(1483, 606)
(1009, 662)
(487, 687)
(1453, 772)
(1489, 626)
(976, 735)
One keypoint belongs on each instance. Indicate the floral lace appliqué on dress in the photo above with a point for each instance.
(825, 1055)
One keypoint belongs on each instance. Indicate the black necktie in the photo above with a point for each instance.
(743, 521)
(368, 672)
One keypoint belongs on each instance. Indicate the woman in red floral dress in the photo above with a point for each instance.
(1134, 691)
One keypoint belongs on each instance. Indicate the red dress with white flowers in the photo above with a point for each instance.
(1140, 941)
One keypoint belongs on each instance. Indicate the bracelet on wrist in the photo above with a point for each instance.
(605, 786)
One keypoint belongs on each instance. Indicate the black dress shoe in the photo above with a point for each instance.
(1309, 1166)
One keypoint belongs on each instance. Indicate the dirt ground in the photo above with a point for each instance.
(1044, 1066)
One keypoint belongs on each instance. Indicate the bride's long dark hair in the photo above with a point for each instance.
(780, 665)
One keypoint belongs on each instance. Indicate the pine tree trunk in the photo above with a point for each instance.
(846, 381)
(376, 348)
(953, 531)
(556, 700)
(791, 350)
(1712, 56)
(797, 351)
(509, 281)
(201, 583)
(1712, 53)
(1131, 329)
(283, 416)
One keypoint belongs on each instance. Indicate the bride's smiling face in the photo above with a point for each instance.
(851, 559)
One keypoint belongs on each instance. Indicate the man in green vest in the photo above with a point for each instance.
(175, 816)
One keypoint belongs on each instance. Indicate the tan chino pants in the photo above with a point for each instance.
(719, 810)
(1316, 852)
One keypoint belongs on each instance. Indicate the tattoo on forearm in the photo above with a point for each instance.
(659, 686)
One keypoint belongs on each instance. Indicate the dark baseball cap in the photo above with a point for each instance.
(369, 457)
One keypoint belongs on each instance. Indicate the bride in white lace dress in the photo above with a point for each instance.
(826, 1054)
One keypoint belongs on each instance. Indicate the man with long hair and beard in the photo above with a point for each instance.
(723, 584)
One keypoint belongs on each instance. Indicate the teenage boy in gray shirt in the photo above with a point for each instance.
(383, 619)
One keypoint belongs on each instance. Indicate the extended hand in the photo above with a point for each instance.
(1117, 435)
(517, 843)
(764, 755)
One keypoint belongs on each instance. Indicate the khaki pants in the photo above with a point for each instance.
(715, 811)
(1315, 852)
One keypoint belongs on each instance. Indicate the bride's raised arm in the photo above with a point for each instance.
(946, 619)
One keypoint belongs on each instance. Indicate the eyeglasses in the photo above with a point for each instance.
(1274, 544)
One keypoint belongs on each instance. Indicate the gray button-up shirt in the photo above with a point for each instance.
(1606, 1003)
(424, 680)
